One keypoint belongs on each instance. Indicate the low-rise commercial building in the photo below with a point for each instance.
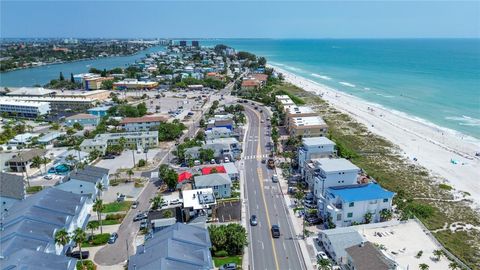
(57, 104)
(218, 132)
(145, 123)
(309, 126)
(355, 204)
(12, 190)
(144, 139)
(23, 108)
(95, 83)
(134, 84)
(83, 119)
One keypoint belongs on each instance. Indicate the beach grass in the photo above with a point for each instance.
(417, 191)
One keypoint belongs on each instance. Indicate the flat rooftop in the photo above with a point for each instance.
(402, 242)
(335, 164)
(364, 192)
(299, 110)
(308, 121)
(198, 198)
(314, 141)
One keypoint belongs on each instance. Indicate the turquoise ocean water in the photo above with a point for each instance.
(433, 80)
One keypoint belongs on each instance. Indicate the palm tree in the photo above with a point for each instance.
(167, 214)
(368, 217)
(130, 173)
(453, 266)
(79, 237)
(77, 147)
(324, 264)
(437, 253)
(299, 195)
(99, 207)
(36, 162)
(156, 201)
(70, 158)
(100, 188)
(61, 237)
(423, 266)
(45, 161)
(92, 226)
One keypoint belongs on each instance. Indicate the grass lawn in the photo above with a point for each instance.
(117, 206)
(219, 261)
(97, 240)
(34, 189)
(86, 265)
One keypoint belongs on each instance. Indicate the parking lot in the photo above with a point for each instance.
(229, 211)
(125, 160)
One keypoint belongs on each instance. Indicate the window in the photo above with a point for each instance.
(352, 204)
(339, 216)
(350, 215)
(81, 185)
(385, 200)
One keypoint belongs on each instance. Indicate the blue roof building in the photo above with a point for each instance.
(32, 259)
(99, 111)
(345, 205)
(179, 246)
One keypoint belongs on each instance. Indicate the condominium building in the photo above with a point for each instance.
(314, 147)
(58, 104)
(141, 123)
(293, 111)
(323, 173)
(309, 126)
(347, 205)
(145, 139)
(21, 108)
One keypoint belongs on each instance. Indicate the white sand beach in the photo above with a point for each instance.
(433, 147)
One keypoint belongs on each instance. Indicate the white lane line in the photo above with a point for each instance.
(284, 247)
(261, 242)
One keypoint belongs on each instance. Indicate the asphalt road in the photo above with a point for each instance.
(265, 199)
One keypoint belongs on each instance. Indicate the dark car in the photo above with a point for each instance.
(228, 266)
(113, 238)
(264, 161)
(313, 220)
(76, 254)
(253, 220)
(144, 224)
(110, 156)
(275, 231)
(139, 217)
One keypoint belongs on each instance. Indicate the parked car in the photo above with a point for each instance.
(144, 224)
(76, 254)
(253, 220)
(176, 201)
(140, 216)
(264, 161)
(212, 161)
(228, 266)
(226, 160)
(121, 197)
(113, 238)
(274, 178)
(313, 220)
(48, 177)
(275, 231)
(109, 156)
(322, 255)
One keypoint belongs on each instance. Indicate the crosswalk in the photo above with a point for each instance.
(256, 156)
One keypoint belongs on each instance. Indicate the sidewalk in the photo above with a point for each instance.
(306, 245)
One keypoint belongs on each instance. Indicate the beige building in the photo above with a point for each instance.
(297, 111)
(309, 126)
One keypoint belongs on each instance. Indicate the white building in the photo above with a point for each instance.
(141, 123)
(145, 139)
(345, 205)
(29, 109)
(335, 241)
(218, 132)
(323, 173)
(314, 147)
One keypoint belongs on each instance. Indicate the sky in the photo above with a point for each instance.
(239, 19)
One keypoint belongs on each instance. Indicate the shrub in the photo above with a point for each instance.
(419, 210)
(142, 163)
(221, 253)
(445, 187)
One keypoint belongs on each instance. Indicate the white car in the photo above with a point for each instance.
(48, 177)
(226, 160)
(322, 255)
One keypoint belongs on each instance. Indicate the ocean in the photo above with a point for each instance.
(432, 80)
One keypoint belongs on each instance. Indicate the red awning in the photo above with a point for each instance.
(208, 170)
(184, 176)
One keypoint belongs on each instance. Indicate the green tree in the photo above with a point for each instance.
(99, 207)
(299, 195)
(368, 217)
(61, 78)
(36, 162)
(62, 237)
(92, 226)
(386, 214)
(94, 155)
(262, 61)
(72, 79)
(55, 125)
(141, 163)
(423, 266)
(206, 154)
(79, 237)
(218, 237)
(168, 214)
(156, 201)
(437, 253)
(232, 238)
(324, 264)
(107, 84)
(453, 266)
(130, 174)
(77, 126)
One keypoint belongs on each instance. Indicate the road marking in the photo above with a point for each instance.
(260, 176)
(261, 242)
(284, 247)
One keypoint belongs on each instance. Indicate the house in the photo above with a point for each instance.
(322, 173)
(308, 126)
(262, 78)
(83, 119)
(219, 182)
(144, 139)
(32, 223)
(179, 246)
(32, 259)
(293, 111)
(12, 190)
(231, 170)
(184, 176)
(314, 147)
(218, 132)
(345, 205)
(335, 241)
(141, 123)
(49, 138)
(22, 139)
(366, 256)
(99, 111)
(198, 201)
(23, 160)
(86, 181)
(229, 147)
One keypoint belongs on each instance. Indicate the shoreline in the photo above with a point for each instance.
(447, 155)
